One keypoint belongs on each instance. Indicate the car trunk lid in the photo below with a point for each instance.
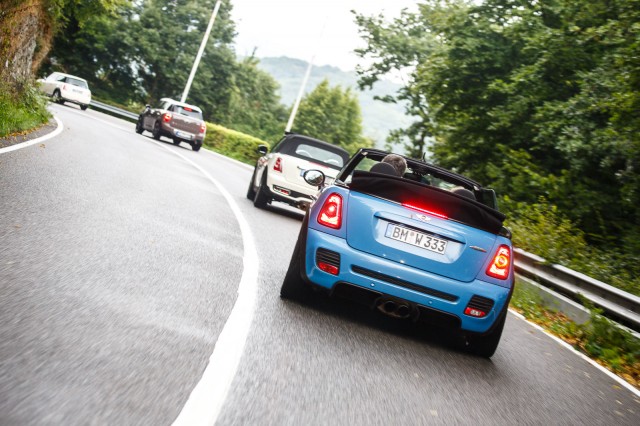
(421, 227)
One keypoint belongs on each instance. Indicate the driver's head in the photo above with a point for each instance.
(398, 163)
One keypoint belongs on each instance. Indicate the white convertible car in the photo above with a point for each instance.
(67, 88)
(278, 175)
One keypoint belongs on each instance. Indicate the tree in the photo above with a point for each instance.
(255, 106)
(332, 115)
(28, 27)
(536, 98)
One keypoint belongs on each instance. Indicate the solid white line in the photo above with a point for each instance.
(206, 399)
(615, 377)
(239, 163)
(55, 133)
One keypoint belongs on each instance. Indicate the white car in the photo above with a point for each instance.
(278, 175)
(67, 88)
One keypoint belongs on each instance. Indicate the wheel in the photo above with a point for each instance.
(139, 128)
(251, 193)
(261, 199)
(56, 97)
(176, 141)
(486, 345)
(156, 131)
(84, 107)
(293, 286)
(196, 146)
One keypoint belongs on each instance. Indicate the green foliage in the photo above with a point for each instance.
(255, 108)
(537, 99)
(233, 144)
(603, 340)
(332, 115)
(542, 229)
(21, 108)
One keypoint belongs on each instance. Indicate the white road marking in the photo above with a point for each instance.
(56, 132)
(615, 377)
(206, 399)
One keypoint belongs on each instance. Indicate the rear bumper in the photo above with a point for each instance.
(431, 296)
(287, 192)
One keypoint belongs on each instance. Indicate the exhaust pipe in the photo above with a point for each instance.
(394, 309)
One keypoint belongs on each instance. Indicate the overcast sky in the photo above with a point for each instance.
(304, 28)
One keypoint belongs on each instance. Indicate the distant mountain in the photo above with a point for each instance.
(378, 118)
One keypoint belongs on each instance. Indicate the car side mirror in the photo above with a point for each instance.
(314, 178)
(262, 149)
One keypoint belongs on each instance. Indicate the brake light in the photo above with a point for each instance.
(203, 127)
(420, 209)
(187, 109)
(277, 166)
(331, 212)
(166, 117)
(499, 267)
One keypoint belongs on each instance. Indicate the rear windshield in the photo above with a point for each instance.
(76, 82)
(320, 155)
(308, 149)
(190, 112)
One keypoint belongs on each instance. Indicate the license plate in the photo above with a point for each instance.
(185, 135)
(417, 239)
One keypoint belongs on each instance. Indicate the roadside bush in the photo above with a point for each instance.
(21, 109)
(540, 229)
(233, 144)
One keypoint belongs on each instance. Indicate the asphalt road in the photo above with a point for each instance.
(120, 263)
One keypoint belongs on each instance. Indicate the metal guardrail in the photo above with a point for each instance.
(618, 305)
(114, 110)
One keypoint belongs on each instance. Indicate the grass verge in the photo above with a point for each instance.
(599, 338)
(22, 109)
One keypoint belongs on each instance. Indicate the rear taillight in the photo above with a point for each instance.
(423, 210)
(277, 166)
(203, 127)
(166, 117)
(331, 212)
(499, 267)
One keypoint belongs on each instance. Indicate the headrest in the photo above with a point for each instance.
(384, 168)
(463, 192)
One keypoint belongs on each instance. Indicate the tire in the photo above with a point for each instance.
(196, 146)
(261, 199)
(56, 97)
(293, 286)
(139, 128)
(486, 345)
(84, 107)
(251, 193)
(176, 141)
(156, 131)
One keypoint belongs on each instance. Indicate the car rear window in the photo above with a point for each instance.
(320, 155)
(76, 82)
(313, 150)
(190, 112)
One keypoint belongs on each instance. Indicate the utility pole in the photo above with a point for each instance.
(200, 51)
(294, 111)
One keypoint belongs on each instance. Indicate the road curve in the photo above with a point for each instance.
(119, 267)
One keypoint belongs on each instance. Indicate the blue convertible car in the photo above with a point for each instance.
(426, 246)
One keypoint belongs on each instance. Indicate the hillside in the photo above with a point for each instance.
(378, 118)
